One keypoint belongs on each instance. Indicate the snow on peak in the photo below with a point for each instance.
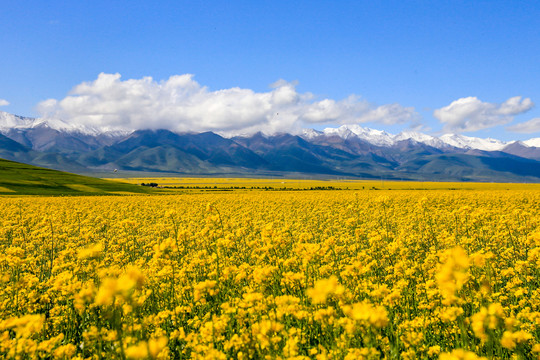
(534, 142)
(420, 138)
(343, 132)
(311, 133)
(375, 137)
(382, 138)
(10, 121)
(60, 125)
(468, 142)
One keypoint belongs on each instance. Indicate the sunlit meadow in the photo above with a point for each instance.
(344, 274)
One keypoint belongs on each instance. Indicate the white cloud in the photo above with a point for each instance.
(4, 102)
(526, 127)
(471, 114)
(181, 104)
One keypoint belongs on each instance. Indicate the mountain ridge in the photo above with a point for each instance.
(350, 150)
(10, 122)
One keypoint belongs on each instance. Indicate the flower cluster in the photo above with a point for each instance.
(287, 275)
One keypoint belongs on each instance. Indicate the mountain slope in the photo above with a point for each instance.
(285, 152)
(161, 159)
(464, 167)
(22, 179)
(349, 150)
(520, 149)
(206, 146)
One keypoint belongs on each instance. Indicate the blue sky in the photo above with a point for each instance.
(401, 59)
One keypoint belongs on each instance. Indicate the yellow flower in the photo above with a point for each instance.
(207, 287)
(324, 288)
(65, 351)
(132, 279)
(451, 313)
(374, 315)
(156, 346)
(508, 341)
(92, 251)
(453, 274)
(24, 326)
(259, 278)
(434, 350)
(138, 351)
(106, 292)
(460, 354)
(487, 318)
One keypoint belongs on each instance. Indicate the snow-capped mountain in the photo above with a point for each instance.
(311, 133)
(351, 151)
(468, 142)
(55, 135)
(382, 138)
(421, 138)
(375, 137)
(535, 142)
(10, 122)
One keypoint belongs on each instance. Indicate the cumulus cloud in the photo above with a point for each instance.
(182, 104)
(4, 102)
(526, 127)
(471, 114)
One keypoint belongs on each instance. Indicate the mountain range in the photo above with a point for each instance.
(348, 151)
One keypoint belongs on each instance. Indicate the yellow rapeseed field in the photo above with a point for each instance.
(343, 274)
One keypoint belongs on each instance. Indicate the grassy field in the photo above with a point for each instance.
(22, 179)
(205, 184)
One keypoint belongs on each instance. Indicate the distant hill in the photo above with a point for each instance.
(22, 179)
(347, 151)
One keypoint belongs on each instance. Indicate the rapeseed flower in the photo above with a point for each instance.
(289, 274)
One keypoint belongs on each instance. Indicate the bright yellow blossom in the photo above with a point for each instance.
(288, 274)
(324, 288)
